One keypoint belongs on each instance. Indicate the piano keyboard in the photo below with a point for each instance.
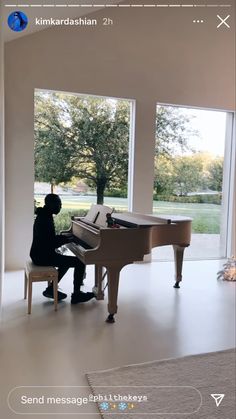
(79, 242)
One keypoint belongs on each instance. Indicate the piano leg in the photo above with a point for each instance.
(98, 288)
(113, 274)
(179, 255)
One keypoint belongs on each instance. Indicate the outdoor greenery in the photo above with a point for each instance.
(83, 137)
(53, 148)
(179, 168)
(181, 175)
(173, 129)
(206, 217)
(192, 199)
(63, 219)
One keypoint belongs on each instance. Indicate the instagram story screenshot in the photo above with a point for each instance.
(117, 209)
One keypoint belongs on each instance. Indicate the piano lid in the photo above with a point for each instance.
(139, 220)
(144, 220)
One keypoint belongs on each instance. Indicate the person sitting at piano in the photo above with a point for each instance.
(43, 250)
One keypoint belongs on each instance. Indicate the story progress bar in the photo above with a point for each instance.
(120, 5)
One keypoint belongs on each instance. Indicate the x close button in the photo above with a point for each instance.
(223, 21)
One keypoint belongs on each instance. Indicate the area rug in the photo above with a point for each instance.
(196, 387)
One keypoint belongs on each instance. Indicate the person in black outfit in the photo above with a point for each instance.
(43, 250)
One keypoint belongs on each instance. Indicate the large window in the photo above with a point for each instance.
(81, 151)
(191, 175)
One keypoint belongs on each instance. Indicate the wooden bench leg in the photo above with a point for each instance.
(29, 295)
(32, 274)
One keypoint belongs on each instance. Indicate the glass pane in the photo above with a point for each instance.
(189, 163)
(81, 152)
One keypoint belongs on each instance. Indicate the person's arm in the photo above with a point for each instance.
(61, 239)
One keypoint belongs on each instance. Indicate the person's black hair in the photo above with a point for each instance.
(51, 198)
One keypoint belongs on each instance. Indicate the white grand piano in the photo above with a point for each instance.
(131, 238)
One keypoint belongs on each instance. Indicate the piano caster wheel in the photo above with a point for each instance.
(176, 285)
(110, 318)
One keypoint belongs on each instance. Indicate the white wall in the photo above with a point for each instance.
(150, 56)
(1, 164)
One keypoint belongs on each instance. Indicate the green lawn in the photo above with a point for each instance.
(206, 217)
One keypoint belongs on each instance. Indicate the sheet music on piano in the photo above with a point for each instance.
(97, 214)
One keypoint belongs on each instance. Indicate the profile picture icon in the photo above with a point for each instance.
(17, 21)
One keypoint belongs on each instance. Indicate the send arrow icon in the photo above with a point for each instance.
(218, 398)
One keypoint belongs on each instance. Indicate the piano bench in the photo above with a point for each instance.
(35, 273)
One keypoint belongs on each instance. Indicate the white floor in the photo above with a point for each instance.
(154, 321)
